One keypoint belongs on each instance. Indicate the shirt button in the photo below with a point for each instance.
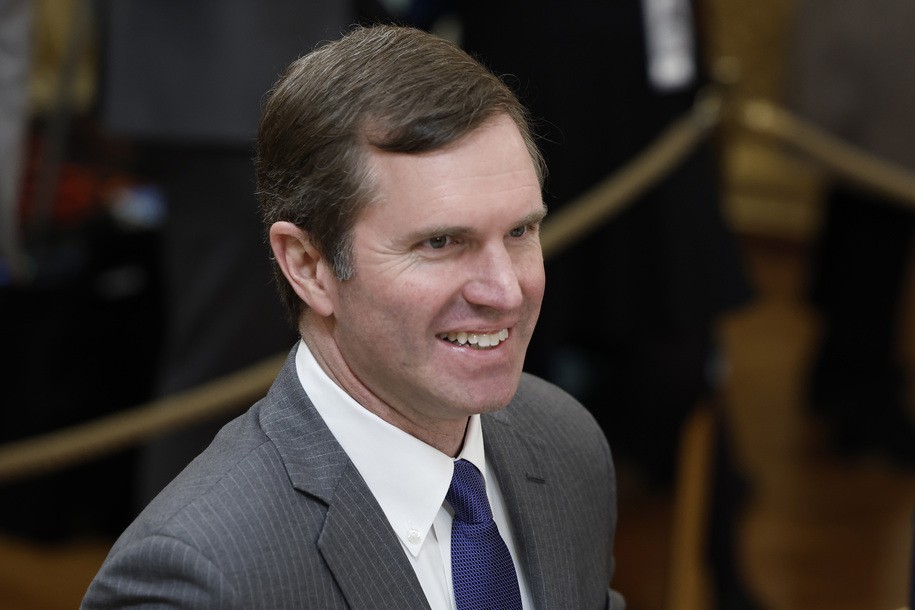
(414, 537)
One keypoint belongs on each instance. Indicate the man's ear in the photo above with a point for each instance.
(305, 269)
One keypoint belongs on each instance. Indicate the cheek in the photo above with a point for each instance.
(381, 308)
(533, 281)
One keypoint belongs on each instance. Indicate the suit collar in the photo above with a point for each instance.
(313, 458)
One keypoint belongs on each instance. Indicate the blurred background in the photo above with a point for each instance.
(730, 287)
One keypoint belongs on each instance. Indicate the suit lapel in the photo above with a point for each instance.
(536, 512)
(360, 549)
(357, 543)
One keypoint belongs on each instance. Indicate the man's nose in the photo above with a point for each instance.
(495, 279)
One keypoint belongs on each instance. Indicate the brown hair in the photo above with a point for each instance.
(391, 87)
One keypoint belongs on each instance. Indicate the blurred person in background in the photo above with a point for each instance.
(77, 281)
(852, 72)
(15, 53)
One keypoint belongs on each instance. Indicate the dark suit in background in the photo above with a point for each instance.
(184, 79)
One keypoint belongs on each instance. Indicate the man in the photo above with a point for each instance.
(401, 190)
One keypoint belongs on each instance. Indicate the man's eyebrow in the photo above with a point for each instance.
(535, 217)
(436, 230)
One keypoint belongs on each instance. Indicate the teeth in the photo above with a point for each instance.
(478, 340)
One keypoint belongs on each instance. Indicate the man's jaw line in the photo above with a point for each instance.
(475, 339)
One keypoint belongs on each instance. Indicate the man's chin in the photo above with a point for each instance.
(495, 399)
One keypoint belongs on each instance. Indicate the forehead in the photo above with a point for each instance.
(488, 170)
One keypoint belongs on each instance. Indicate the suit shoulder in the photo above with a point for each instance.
(544, 410)
(227, 483)
(231, 522)
(545, 399)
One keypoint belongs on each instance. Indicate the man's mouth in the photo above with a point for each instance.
(476, 340)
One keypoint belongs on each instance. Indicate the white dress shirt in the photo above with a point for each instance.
(409, 479)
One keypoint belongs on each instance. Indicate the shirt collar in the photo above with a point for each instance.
(408, 478)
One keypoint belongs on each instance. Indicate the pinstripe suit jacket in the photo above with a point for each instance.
(274, 515)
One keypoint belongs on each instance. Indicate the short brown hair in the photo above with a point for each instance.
(395, 88)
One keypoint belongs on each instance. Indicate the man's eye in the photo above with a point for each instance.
(518, 231)
(438, 242)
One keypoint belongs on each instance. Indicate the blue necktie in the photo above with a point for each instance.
(481, 566)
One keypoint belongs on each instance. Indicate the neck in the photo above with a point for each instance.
(445, 435)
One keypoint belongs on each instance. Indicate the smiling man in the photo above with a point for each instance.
(401, 459)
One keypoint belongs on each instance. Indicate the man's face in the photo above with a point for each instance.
(449, 278)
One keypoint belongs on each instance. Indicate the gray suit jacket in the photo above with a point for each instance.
(274, 515)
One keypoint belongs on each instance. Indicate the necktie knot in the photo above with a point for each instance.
(467, 494)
